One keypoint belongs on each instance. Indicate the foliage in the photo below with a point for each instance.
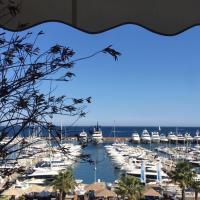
(130, 187)
(22, 197)
(24, 67)
(195, 185)
(182, 174)
(64, 182)
(4, 198)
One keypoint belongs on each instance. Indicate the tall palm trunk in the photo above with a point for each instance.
(183, 193)
(196, 195)
(61, 195)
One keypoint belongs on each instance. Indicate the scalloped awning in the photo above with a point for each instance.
(167, 17)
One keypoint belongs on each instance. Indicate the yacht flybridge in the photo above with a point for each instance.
(97, 136)
(145, 137)
(135, 137)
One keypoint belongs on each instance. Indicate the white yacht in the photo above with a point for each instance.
(97, 136)
(145, 137)
(150, 172)
(197, 136)
(135, 137)
(83, 136)
(163, 138)
(181, 138)
(172, 137)
(155, 137)
(44, 173)
(188, 137)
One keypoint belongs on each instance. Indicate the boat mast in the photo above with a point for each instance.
(49, 131)
(114, 132)
(176, 135)
(61, 128)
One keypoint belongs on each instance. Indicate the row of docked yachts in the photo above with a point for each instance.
(41, 159)
(55, 160)
(156, 137)
(95, 138)
(137, 161)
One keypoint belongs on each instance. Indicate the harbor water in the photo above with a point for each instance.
(102, 168)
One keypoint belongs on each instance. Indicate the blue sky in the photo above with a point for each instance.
(155, 82)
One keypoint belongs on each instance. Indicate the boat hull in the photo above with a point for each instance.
(97, 141)
(135, 140)
(146, 141)
(155, 140)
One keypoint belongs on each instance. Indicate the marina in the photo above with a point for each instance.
(94, 158)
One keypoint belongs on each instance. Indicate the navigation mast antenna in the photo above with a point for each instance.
(114, 132)
(61, 129)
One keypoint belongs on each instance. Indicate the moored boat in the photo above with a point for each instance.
(83, 137)
(172, 137)
(181, 138)
(188, 137)
(97, 136)
(155, 137)
(135, 137)
(163, 138)
(145, 137)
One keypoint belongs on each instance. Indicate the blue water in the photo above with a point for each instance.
(105, 171)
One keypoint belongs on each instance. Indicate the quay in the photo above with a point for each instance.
(129, 139)
(105, 139)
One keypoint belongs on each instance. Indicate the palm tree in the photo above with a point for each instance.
(195, 185)
(64, 182)
(130, 187)
(22, 197)
(182, 174)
